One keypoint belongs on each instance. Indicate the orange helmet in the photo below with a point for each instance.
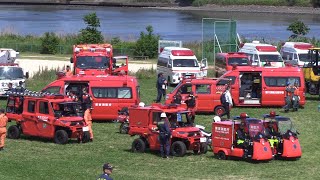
(243, 115)
(272, 114)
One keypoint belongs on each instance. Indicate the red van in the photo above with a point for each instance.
(264, 86)
(225, 61)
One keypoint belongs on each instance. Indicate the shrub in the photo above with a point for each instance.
(147, 44)
(145, 73)
(49, 43)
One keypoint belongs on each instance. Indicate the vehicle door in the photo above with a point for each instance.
(204, 67)
(29, 122)
(153, 136)
(105, 102)
(273, 90)
(256, 60)
(204, 97)
(45, 118)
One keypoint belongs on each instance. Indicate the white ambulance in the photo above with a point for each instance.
(177, 62)
(296, 53)
(262, 54)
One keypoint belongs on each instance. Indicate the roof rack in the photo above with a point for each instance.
(28, 93)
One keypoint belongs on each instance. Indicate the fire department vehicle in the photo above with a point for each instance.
(48, 116)
(264, 86)
(296, 53)
(262, 54)
(287, 136)
(206, 90)
(143, 122)
(177, 62)
(224, 143)
(312, 72)
(96, 59)
(226, 61)
(109, 93)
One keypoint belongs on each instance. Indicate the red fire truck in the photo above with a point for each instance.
(143, 122)
(48, 116)
(110, 93)
(224, 144)
(264, 86)
(97, 59)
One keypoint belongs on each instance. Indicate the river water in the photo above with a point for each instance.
(127, 23)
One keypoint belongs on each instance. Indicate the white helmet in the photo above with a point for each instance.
(163, 115)
(216, 119)
(141, 104)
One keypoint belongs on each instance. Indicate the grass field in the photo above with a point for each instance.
(35, 158)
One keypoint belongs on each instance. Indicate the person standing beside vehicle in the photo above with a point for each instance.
(107, 171)
(3, 128)
(86, 99)
(164, 135)
(88, 120)
(226, 101)
(161, 87)
(68, 71)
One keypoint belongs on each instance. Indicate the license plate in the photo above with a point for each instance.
(85, 128)
(203, 139)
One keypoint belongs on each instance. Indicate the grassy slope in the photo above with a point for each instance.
(34, 158)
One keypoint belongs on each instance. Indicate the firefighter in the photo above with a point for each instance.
(161, 87)
(241, 139)
(10, 88)
(3, 129)
(191, 101)
(86, 99)
(295, 96)
(68, 71)
(88, 120)
(107, 171)
(20, 88)
(164, 135)
(73, 96)
(289, 90)
(226, 101)
(177, 98)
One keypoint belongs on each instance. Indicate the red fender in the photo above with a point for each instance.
(262, 150)
(291, 148)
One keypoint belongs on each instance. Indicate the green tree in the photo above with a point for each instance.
(90, 34)
(147, 44)
(49, 43)
(298, 28)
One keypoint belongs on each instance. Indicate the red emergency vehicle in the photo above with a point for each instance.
(95, 59)
(264, 86)
(143, 122)
(224, 143)
(226, 61)
(206, 90)
(109, 93)
(48, 116)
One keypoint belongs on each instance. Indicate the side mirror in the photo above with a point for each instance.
(27, 75)
(71, 60)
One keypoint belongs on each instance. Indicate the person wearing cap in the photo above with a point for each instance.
(68, 71)
(164, 135)
(20, 87)
(107, 171)
(3, 128)
(161, 87)
(289, 90)
(88, 120)
(86, 98)
(241, 137)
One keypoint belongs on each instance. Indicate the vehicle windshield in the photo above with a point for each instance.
(270, 58)
(185, 63)
(239, 61)
(304, 58)
(254, 126)
(65, 109)
(180, 119)
(285, 125)
(11, 72)
(93, 62)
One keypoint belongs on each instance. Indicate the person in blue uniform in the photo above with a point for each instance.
(107, 170)
(164, 135)
(161, 87)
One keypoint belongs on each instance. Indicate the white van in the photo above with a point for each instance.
(296, 53)
(177, 62)
(262, 54)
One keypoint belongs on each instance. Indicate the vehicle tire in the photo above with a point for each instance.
(203, 148)
(219, 110)
(138, 145)
(178, 149)
(14, 132)
(85, 137)
(124, 128)
(61, 137)
(221, 155)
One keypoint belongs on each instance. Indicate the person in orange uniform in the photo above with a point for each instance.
(3, 129)
(88, 120)
(68, 71)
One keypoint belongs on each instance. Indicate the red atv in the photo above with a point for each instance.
(48, 116)
(143, 122)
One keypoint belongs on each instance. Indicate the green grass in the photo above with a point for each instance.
(35, 158)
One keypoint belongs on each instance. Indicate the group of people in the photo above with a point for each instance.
(292, 96)
(16, 102)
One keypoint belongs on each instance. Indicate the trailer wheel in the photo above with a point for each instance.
(61, 137)
(178, 149)
(221, 155)
(85, 137)
(124, 128)
(203, 149)
(14, 132)
(138, 145)
(219, 110)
